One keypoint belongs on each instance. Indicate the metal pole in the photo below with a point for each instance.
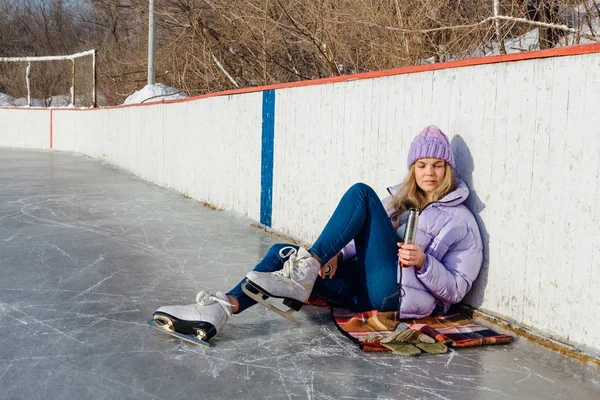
(94, 96)
(27, 79)
(151, 43)
(73, 82)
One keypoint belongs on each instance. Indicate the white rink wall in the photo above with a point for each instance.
(527, 143)
(25, 128)
(208, 149)
(525, 135)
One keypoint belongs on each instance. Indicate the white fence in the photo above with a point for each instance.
(208, 149)
(527, 143)
(25, 128)
(525, 135)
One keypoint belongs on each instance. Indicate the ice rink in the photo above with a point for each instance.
(88, 252)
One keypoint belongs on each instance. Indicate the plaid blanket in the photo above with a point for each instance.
(454, 330)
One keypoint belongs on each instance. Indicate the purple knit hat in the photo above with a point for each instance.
(430, 143)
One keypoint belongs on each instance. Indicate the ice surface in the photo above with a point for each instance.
(88, 252)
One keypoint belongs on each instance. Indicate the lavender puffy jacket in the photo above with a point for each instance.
(450, 238)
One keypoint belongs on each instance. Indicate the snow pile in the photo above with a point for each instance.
(22, 102)
(55, 101)
(59, 101)
(526, 42)
(156, 92)
(6, 100)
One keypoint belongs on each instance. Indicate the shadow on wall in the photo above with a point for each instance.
(464, 170)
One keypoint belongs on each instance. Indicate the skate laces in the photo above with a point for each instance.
(292, 261)
(205, 298)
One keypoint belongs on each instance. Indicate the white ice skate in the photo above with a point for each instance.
(197, 322)
(293, 283)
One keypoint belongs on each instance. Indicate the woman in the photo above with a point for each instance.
(357, 262)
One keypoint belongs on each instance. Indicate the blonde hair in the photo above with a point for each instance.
(411, 195)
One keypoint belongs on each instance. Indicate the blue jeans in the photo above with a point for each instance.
(369, 280)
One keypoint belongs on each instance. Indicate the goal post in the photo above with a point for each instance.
(89, 53)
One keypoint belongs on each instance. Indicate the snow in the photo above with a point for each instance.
(156, 92)
(22, 102)
(60, 101)
(149, 93)
(526, 42)
(54, 101)
(6, 100)
(573, 17)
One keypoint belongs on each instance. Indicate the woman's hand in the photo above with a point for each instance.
(411, 254)
(330, 267)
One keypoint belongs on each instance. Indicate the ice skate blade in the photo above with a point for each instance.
(289, 314)
(181, 336)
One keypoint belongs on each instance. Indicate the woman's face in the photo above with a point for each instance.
(429, 173)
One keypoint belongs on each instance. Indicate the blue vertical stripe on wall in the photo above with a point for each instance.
(266, 171)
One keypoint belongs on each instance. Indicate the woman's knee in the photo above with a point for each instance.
(362, 188)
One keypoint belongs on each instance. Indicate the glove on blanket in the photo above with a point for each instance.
(409, 342)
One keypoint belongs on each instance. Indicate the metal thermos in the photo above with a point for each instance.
(411, 226)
